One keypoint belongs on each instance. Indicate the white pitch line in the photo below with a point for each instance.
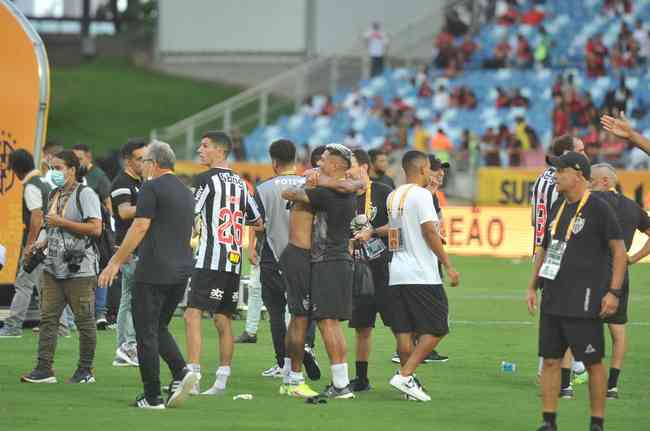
(516, 323)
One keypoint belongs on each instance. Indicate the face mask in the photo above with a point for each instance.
(58, 178)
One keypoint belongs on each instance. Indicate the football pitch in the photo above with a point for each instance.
(489, 324)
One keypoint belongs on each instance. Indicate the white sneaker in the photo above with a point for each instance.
(409, 386)
(214, 391)
(180, 390)
(274, 372)
(196, 387)
(128, 353)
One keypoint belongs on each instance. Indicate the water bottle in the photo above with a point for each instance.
(508, 367)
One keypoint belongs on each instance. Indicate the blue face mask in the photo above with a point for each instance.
(58, 178)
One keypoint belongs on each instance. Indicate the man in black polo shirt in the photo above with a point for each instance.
(579, 285)
(631, 217)
(331, 277)
(378, 168)
(124, 197)
(161, 230)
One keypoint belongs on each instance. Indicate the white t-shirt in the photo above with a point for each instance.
(377, 41)
(33, 198)
(416, 263)
(641, 36)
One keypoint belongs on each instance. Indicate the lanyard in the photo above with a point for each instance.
(402, 201)
(366, 208)
(569, 230)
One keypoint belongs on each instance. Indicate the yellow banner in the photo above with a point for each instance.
(23, 111)
(496, 231)
(514, 187)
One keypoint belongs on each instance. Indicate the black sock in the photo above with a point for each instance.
(598, 421)
(549, 418)
(613, 378)
(362, 370)
(566, 378)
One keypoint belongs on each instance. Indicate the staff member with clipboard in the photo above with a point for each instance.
(582, 234)
(416, 296)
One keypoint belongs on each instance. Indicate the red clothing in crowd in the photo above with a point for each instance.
(533, 17)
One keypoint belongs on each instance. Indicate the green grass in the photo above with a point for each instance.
(104, 102)
(469, 393)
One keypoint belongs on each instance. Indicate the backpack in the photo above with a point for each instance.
(104, 244)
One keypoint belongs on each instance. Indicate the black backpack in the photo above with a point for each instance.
(104, 244)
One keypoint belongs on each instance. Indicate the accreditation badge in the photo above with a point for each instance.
(374, 248)
(395, 240)
(553, 259)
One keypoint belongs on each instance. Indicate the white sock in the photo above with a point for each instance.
(195, 368)
(222, 377)
(295, 378)
(578, 367)
(540, 366)
(340, 376)
(286, 370)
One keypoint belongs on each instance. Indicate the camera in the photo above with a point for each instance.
(37, 257)
(73, 258)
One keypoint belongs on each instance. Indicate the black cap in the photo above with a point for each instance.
(437, 164)
(571, 160)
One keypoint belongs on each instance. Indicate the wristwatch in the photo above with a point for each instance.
(616, 292)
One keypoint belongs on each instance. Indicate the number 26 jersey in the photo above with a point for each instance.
(223, 205)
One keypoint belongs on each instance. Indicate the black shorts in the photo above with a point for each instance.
(364, 310)
(274, 286)
(620, 317)
(296, 265)
(419, 308)
(585, 337)
(214, 291)
(331, 290)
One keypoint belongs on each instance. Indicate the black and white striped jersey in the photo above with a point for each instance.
(223, 204)
(544, 196)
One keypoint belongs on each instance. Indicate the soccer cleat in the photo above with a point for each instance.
(311, 365)
(128, 353)
(395, 359)
(141, 402)
(179, 390)
(332, 391)
(82, 375)
(359, 385)
(119, 362)
(274, 372)
(595, 427)
(214, 391)
(246, 338)
(547, 427)
(299, 391)
(102, 324)
(10, 332)
(284, 389)
(409, 386)
(567, 393)
(612, 394)
(39, 376)
(435, 357)
(579, 379)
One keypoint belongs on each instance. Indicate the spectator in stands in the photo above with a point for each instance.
(503, 137)
(440, 99)
(543, 49)
(524, 55)
(490, 149)
(421, 136)
(501, 56)
(560, 117)
(592, 144)
(595, 55)
(518, 100)
(617, 7)
(511, 15)
(521, 133)
(238, 148)
(441, 145)
(329, 108)
(616, 100)
(588, 112)
(378, 168)
(515, 152)
(454, 67)
(642, 38)
(503, 99)
(533, 17)
(377, 43)
(469, 150)
(468, 48)
(444, 49)
(612, 149)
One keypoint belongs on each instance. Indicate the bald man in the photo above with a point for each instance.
(631, 217)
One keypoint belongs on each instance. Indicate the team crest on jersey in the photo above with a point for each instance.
(579, 224)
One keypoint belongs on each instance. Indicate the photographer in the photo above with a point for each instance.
(70, 269)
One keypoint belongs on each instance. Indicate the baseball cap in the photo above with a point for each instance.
(571, 160)
(436, 163)
(340, 150)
